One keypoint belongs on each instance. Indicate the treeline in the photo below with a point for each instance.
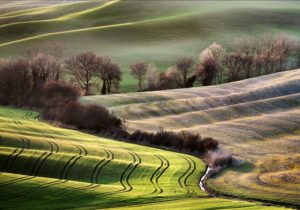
(247, 57)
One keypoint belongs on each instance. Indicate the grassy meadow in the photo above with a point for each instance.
(46, 167)
(257, 120)
(149, 31)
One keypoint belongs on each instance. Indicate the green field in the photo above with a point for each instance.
(150, 31)
(257, 120)
(45, 167)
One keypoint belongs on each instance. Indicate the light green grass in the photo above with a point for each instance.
(258, 120)
(45, 167)
(134, 31)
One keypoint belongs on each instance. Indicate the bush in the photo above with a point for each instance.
(96, 118)
(15, 83)
(59, 91)
(184, 141)
(57, 97)
(218, 158)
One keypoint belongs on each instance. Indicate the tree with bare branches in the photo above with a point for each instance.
(110, 74)
(185, 69)
(83, 67)
(138, 71)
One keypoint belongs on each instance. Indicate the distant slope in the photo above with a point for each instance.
(258, 120)
(44, 167)
(150, 31)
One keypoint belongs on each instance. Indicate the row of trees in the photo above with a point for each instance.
(247, 58)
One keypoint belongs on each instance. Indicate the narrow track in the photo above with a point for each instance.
(166, 166)
(155, 173)
(184, 177)
(125, 176)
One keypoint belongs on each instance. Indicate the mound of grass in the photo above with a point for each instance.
(258, 120)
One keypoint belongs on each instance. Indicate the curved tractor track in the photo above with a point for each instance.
(184, 177)
(125, 176)
(164, 165)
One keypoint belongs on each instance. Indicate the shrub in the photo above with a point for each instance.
(184, 141)
(60, 91)
(15, 83)
(218, 158)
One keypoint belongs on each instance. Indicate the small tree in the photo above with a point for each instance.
(45, 64)
(110, 74)
(233, 64)
(185, 69)
(138, 71)
(152, 76)
(15, 82)
(83, 67)
(210, 67)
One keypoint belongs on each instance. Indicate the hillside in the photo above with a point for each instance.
(45, 167)
(257, 120)
(150, 31)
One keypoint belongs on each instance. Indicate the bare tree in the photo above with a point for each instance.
(152, 76)
(138, 71)
(110, 74)
(15, 82)
(45, 63)
(211, 64)
(274, 53)
(185, 69)
(233, 64)
(247, 49)
(210, 67)
(83, 67)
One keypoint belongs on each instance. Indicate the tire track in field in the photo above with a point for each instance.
(17, 153)
(182, 181)
(158, 173)
(53, 149)
(166, 165)
(190, 174)
(36, 166)
(125, 176)
(63, 177)
(110, 156)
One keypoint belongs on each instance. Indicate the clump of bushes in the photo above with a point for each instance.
(61, 105)
(183, 141)
(218, 158)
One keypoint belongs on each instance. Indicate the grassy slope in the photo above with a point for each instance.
(257, 119)
(132, 31)
(44, 167)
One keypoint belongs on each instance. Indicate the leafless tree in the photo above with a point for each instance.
(246, 47)
(210, 69)
(15, 82)
(233, 64)
(185, 69)
(110, 74)
(152, 76)
(138, 71)
(45, 63)
(211, 64)
(84, 66)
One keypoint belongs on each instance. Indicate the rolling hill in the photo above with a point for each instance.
(150, 31)
(46, 167)
(257, 120)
